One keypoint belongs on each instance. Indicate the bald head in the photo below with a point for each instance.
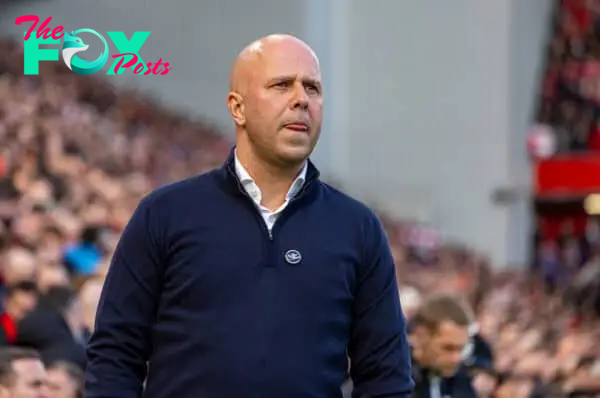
(275, 101)
(18, 265)
(258, 52)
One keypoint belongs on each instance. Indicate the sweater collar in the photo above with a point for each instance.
(230, 175)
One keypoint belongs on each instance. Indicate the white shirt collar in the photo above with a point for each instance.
(254, 191)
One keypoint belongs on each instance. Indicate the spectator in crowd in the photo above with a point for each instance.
(477, 357)
(439, 335)
(65, 380)
(22, 374)
(17, 265)
(19, 299)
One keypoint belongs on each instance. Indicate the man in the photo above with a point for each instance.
(19, 299)
(477, 356)
(22, 374)
(255, 280)
(439, 335)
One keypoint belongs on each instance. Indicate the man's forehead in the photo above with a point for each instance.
(290, 66)
(450, 330)
(28, 367)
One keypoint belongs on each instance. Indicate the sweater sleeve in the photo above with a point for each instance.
(378, 348)
(121, 343)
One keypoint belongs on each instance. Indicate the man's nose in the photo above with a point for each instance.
(300, 97)
(43, 393)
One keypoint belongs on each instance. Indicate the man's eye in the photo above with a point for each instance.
(311, 88)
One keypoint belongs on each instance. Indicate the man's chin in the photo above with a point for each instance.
(448, 372)
(295, 153)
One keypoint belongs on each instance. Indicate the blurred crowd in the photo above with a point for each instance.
(543, 332)
(571, 87)
(76, 155)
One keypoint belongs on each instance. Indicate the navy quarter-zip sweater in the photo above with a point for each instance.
(219, 308)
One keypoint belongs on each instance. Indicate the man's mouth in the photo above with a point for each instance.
(301, 127)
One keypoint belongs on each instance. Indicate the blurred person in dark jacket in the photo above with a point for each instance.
(65, 380)
(478, 355)
(19, 299)
(22, 374)
(55, 327)
(439, 336)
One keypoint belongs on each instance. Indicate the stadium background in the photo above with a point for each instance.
(428, 109)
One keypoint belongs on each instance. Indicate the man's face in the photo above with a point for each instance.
(283, 103)
(442, 349)
(60, 385)
(29, 380)
(20, 303)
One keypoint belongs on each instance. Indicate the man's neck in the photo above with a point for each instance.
(274, 182)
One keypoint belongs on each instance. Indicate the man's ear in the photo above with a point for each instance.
(235, 104)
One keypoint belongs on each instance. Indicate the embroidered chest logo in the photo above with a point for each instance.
(293, 256)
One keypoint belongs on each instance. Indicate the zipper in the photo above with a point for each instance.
(258, 216)
(256, 211)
